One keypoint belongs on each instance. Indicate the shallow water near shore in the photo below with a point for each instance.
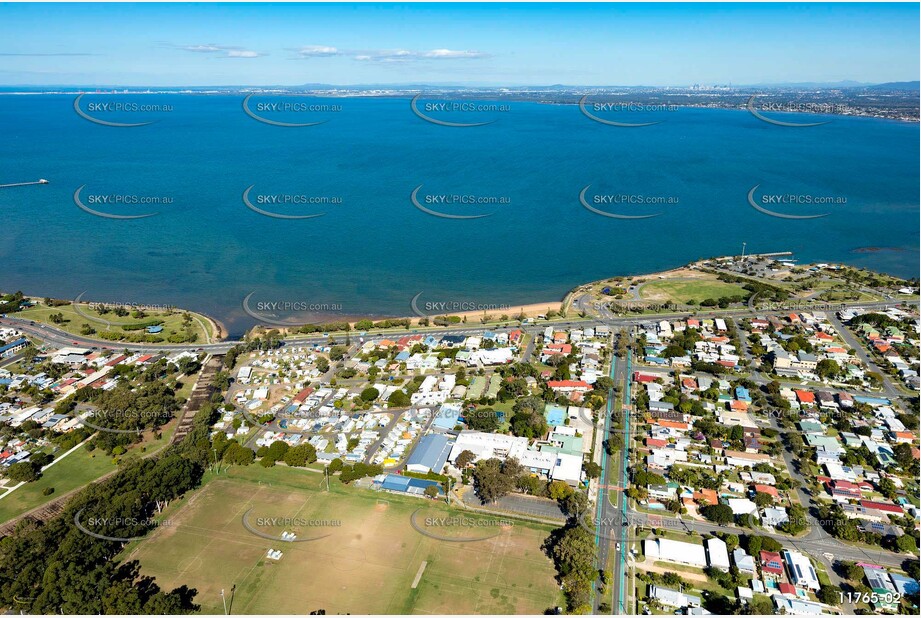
(373, 251)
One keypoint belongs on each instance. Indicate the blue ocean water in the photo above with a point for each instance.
(374, 251)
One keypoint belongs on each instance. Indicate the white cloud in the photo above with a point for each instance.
(202, 49)
(243, 53)
(450, 54)
(388, 55)
(225, 51)
(317, 51)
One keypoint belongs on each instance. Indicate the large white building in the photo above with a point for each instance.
(800, 570)
(717, 553)
(555, 466)
(675, 551)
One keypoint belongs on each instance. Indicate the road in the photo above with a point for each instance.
(609, 516)
(602, 505)
(62, 338)
(618, 509)
(864, 356)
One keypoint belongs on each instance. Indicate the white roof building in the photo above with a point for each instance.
(567, 468)
(489, 445)
(800, 570)
(717, 553)
(675, 551)
(742, 506)
(673, 598)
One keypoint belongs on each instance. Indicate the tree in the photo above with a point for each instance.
(592, 470)
(559, 490)
(827, 368)
(763, 500)
(528, 418)
(22, 472)
(829, 595)
(238, 455)
(482, 419)
(574, 504)
(490, 481)
(770, 544)
(370, 394)
(431, 491)
(398, 399)
(275, 452)
(334, 466)
(300, 455)
(574, 553)
(464, 459)
(732, 541)
(717, 513)
(906, 544)
(796, 520)
(912, 568)
(852, 571)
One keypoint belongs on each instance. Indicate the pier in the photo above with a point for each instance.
(40, 181)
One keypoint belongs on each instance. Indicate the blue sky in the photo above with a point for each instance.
(513, 44)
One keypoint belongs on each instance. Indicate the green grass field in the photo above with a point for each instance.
(367, 564)
(75, 470)
(681, 291)
(74, 322)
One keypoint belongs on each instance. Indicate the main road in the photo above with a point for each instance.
(61, 338)
(610, 516)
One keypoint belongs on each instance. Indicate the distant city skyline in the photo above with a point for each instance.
(474, 44)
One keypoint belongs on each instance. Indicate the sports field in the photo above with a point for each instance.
(367, 555)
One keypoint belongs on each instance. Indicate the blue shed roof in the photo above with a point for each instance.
(432, 452)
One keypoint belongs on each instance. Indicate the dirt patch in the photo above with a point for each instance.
(657, 568)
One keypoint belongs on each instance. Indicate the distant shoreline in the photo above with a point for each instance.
(720, 101)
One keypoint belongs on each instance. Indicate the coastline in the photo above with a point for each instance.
(478, 96)
(691, 270)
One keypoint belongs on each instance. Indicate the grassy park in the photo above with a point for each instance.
(366, 557)
(691, 289)
(86, 319)
(74, 471)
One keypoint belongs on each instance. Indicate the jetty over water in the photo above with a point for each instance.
(40, 181)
